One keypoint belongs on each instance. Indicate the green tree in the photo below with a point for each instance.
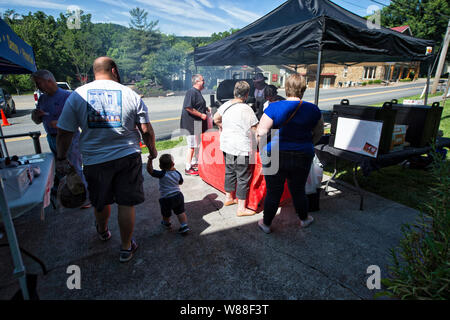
(427, 19)
(167, 64)
(220, 35)
(20, 82)
(139, 20)
(82, 46)
(143, 39)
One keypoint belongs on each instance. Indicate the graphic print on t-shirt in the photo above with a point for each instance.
(104, 108)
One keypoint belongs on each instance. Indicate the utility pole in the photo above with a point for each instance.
(441, 59)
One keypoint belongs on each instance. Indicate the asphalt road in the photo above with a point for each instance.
(165, 111)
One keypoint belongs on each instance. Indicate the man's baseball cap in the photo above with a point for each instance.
(259, 77)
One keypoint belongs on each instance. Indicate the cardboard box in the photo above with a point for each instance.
(398, 135)
(15, 181)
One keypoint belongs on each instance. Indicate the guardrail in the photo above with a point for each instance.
(35, 135)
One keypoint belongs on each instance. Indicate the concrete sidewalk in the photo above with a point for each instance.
(222, 257)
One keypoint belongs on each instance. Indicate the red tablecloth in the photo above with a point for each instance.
(211, 168)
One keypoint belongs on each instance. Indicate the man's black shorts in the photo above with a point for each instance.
(175, 203)
(118, 181)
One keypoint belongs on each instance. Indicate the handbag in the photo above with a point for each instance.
(315, 176)
(268, 134)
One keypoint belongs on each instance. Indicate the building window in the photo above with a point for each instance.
(369, 72)
(344, 75)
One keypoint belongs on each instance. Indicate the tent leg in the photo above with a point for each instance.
(19, 268)
(4, 150)
(319, 64)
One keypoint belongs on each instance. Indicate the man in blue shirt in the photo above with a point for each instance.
(47, 112)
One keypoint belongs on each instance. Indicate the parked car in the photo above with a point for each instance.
(65, 86)
(62, 85)
(7, 103)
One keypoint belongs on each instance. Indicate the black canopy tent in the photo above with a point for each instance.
(310, 32)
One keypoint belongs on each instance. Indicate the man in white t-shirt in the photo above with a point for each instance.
(111, 117)
(237, 123)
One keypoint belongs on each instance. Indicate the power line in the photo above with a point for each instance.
(353, 4)
(381, 4)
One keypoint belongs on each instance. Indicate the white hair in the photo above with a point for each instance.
(195, 78)
(43, 74)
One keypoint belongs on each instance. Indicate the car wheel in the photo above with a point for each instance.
(14, 111)
(8, 111)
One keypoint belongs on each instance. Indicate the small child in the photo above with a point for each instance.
(169, 187)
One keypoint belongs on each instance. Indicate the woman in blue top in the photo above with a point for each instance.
(290, 149)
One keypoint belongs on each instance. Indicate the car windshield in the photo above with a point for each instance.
(63, 86)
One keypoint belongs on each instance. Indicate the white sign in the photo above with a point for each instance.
(360, 136)
(417, 102)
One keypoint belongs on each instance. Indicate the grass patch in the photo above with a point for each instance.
(167, 144)
(403, 185)
(420, 267)
(445, 119)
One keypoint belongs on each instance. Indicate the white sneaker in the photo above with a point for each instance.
(307, 222)
(263, 227)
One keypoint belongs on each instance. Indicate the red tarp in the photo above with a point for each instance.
(211, 168)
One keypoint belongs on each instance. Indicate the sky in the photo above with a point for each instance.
(179, 17)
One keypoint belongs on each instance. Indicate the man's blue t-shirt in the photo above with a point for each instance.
(53, 106)
(296, 135)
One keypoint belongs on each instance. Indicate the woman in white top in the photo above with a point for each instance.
(237, 123)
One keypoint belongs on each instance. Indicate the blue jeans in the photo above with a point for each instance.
(294, 167)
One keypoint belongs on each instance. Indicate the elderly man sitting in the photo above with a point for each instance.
(237, 123)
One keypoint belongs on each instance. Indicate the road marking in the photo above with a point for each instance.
(163, 120)
(366, 94)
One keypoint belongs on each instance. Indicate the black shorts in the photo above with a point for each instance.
(175, 203)
(118, 181)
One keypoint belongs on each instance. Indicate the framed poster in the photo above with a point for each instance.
(360, 136)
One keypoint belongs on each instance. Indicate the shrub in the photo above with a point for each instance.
(377, 81)
(421, 266)
(405, 80)
(149, 89)
(364, 84)
(370, 82)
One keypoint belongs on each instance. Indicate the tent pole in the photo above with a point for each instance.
(428, 84)
(319, 63)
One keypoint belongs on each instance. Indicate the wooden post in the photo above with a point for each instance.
(392, 73)
(409, 72)
(401, 72)
(445, 44)
(416, 71)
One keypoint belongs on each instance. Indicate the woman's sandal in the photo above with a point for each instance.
(230, 202)
(246, 212)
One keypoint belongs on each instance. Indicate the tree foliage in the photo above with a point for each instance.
(220, 35)
(427, 19)
(143, 54)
